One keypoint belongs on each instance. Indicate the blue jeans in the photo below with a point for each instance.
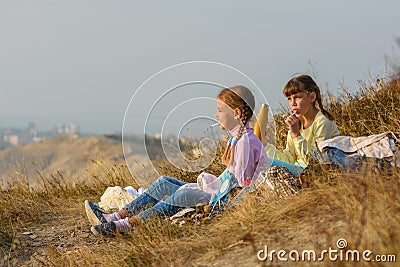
(295, 169)
(166, 199)
(346, 162)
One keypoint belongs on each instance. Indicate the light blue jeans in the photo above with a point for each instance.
(164, 198)
(295, 169)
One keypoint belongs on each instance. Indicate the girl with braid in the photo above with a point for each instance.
(308, 124)
(244, 157)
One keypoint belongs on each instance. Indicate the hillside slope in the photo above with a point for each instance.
(66, 155)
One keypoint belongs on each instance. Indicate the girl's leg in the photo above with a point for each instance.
(162, 187)
(182, 198)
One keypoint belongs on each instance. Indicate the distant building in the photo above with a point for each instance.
(13, 139)
(73, 129)
(32, 129)
(60, 128)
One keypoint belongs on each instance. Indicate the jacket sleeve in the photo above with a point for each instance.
(300, 147)
(242, 156)
(247, 157)
(286, 155)
(322, 129)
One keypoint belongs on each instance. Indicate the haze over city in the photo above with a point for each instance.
(81, 61)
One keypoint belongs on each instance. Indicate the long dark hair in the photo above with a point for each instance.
(304, 83)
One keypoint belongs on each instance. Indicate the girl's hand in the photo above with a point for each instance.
(294, 125)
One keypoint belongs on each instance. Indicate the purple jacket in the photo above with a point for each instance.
(250, 157)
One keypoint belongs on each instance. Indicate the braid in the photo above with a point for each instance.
(242, 128)
(226, 156)
(247, 113)
(242, 98)
(229, 153)
(321, 107)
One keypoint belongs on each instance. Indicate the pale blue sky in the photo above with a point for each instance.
(81, 61)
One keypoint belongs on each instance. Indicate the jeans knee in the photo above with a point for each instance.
(160, 209)
(163, 179)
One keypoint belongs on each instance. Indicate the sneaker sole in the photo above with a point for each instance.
(94, 231)
(91, 216)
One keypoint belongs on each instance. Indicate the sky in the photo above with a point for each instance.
(81, 61)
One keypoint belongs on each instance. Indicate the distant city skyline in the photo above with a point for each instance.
(58, 127)
(30, 134)
(82, 61)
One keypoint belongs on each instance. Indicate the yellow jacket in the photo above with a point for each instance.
(298, 149)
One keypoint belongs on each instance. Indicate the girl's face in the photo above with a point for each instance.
(226, 116)
(301, 103)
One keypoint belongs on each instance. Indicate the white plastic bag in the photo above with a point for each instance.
(208, 183)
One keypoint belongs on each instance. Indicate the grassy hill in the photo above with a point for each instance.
(48, 227)
(66, 156)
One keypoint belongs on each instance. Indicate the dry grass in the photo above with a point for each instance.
(362, 208)
(373, 109)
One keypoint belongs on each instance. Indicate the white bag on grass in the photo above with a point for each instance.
(115, 198)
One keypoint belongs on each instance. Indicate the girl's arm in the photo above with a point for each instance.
(248, 154)
(322, 129)
(241, 162)
(304, 145)
(288, 154)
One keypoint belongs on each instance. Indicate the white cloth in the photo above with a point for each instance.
(374, 146)
(115, 198)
